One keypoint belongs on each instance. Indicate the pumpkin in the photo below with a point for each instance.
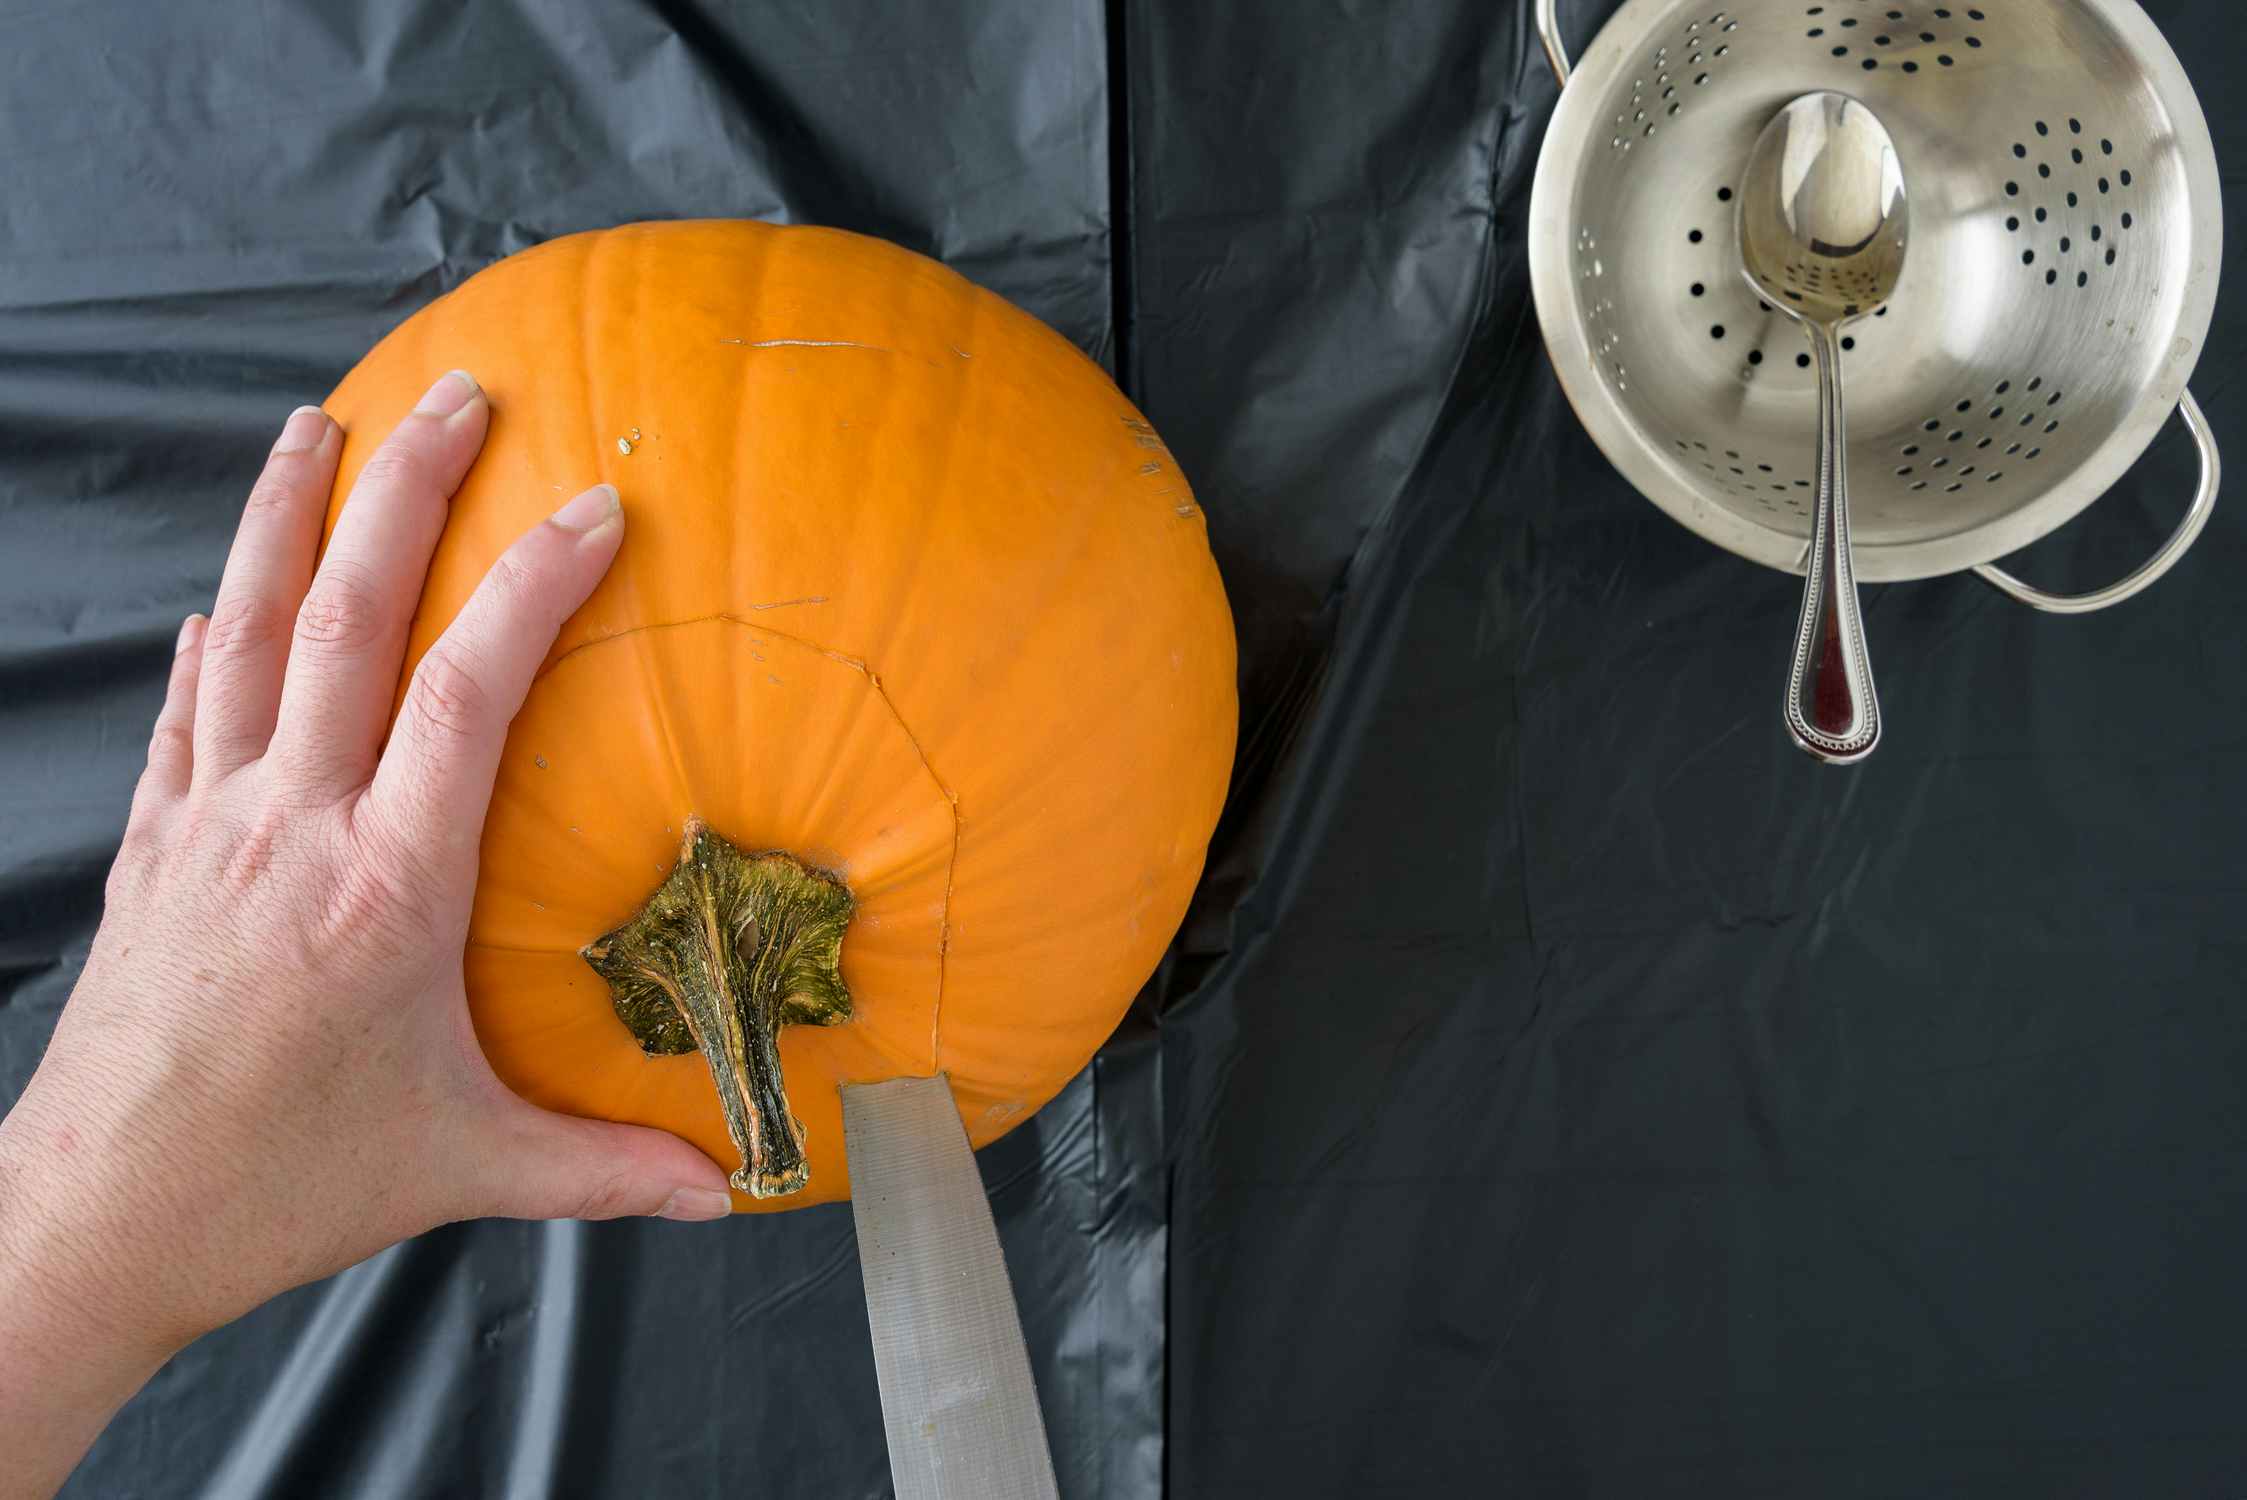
(892, 744)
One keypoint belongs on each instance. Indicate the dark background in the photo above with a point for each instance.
(1562, 1087)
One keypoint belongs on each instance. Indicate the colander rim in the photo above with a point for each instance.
(1571, 134)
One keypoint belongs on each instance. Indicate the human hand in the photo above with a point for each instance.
(267, 1071)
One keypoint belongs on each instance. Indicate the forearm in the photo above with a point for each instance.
(70, 1351)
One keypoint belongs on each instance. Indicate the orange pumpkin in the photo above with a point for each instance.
(910, 594)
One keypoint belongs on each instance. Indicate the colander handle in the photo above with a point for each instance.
(1548, 32)
(2172, 551)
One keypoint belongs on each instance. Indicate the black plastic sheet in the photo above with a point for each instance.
(1561, 1086)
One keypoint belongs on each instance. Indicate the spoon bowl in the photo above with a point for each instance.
(1824, 226)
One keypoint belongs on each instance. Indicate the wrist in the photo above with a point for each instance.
(76, 1268)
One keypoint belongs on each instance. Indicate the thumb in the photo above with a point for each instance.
(562, 1167)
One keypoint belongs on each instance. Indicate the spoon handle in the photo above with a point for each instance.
(1831, 709)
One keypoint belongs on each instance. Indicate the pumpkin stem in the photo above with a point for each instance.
(729, 949)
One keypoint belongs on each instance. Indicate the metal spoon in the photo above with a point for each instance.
(1823, 227)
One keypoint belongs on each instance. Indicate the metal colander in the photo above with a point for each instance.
(2066, 233)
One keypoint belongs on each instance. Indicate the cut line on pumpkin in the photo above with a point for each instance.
(874, 681)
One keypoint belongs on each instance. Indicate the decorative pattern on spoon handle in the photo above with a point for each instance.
(1831, 709)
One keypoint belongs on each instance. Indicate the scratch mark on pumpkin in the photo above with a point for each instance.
(812, 344)
(785, 603)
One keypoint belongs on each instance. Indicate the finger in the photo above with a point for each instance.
(171, 745)
(351, 627)
(549, 1166)
(246, 646)
(435, 780)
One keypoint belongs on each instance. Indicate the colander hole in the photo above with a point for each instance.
(1995, 476)
(1717, 332)
(1699, 289)
(1984, 443)
(2002, 387)
(2012, 190)
(1848, 344)
(2015, 448)
(1927, 36)
(2106, 148)
(2075, 126)
(1962, 473)
(1694, 236)
(1743, 473)
(1722, 50)
(1755, 356)
(1965, 406)
(2053, 399)
(1700, 79)
(2051, 277)
(1802, 484)
(2043, 169)
(2082, 279)
(2034, 453)
(2029, 420)
(1902, 472)
(1973, 41)
(1841, 51)
(1911, 67)
(1728, 453)
(1802, 361)
(1704, 447)
(1764, 468)
(1912, 451)
(2028, 257)
(1674, 109)
(2042, 215)
(1922, 484)
(2050, 428)
(2041, 129)
(1940, 463)
(1956, 434)
(2094, 234)
(1871, 63)
(2127, 221)
(2020, 150)
(2073, 200)
(1817, 31)
(1942, 15)
(2125, 175)
(1934, 425)
(1975, 15)
(1946, 60)
(1996, 412)
(1724, 195)
(2037, 383)
(1895, 15)
(2105, 186)
(1848, 21)
(2110, 255)
(1952, 489)
(2013, 223)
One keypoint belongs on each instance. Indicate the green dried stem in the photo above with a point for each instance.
(729, 949)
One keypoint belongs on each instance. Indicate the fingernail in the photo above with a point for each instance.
(696, 1205)
(305, 430)
(190, 630)
(453, 390)
(590, 511)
